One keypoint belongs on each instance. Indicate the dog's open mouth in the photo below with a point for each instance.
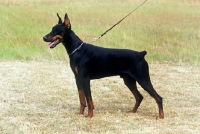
(54, 43)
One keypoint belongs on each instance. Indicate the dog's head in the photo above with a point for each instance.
(58, 31)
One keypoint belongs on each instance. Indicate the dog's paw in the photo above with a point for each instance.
(159, 117)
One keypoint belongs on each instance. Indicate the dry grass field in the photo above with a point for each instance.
(41, 98)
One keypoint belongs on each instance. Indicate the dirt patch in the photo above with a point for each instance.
(41, 97)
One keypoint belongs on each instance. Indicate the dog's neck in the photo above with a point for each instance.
(71, 42)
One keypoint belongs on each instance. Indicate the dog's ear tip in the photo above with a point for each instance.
(59, 19)
(66, 15)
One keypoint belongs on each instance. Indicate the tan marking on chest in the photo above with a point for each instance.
(76, 69)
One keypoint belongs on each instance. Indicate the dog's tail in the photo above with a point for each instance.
(140, 56)
(143, 53)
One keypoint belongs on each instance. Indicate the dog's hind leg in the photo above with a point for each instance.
(146, 85)
(131, 84)
(143, 79)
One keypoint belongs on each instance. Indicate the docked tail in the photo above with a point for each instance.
(143, 53)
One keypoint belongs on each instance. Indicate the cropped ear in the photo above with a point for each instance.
(59, 19)
(67, 21)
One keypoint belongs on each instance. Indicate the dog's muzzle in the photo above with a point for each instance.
(53, 40)
(45, 38)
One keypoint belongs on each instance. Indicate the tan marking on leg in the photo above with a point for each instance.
(82, 101)
(90, 109)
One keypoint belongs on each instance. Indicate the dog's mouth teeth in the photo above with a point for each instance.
(54, 43)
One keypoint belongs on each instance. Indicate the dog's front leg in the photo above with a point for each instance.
(81, 96)
(87, 92)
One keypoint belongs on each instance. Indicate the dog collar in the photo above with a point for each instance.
(78, 48)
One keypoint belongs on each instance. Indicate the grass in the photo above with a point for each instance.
(168, 30)
(41, 98)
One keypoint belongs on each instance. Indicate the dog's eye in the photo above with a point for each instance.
(54, 28)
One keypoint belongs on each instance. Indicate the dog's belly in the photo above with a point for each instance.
(101, 72)
(101, 75)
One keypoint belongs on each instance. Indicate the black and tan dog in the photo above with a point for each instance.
(92, 62)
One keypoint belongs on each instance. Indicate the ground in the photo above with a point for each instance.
(41, 97)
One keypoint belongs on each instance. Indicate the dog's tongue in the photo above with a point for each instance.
(54, 43)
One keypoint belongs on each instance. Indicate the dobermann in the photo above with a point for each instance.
(92, 62)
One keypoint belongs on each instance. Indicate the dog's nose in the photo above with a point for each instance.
(45, 38)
